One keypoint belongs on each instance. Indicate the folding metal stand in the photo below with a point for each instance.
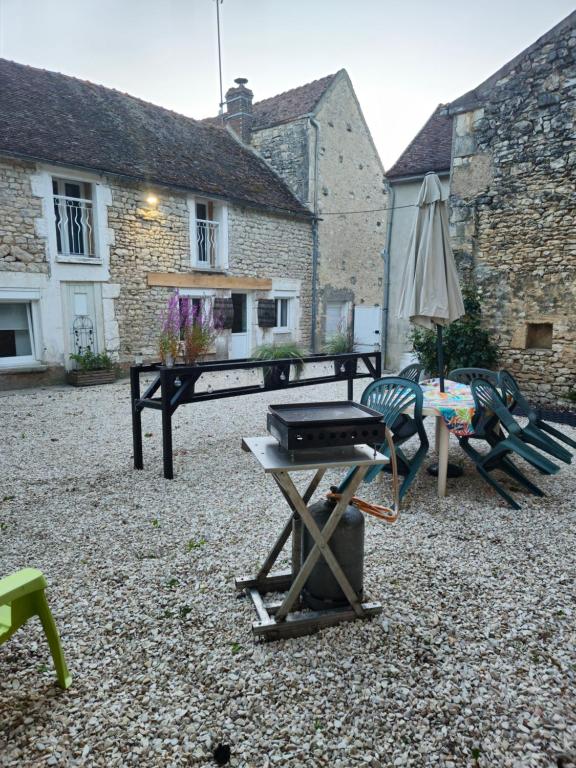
(285, 618)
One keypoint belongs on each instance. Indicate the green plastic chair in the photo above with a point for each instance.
(537, 430)
(487, 404)
(21, 597)
(411, 372)
(467, 375)
(391, 396)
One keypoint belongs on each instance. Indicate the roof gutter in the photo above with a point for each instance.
(386, 256)
(415, 176)
(315, 240)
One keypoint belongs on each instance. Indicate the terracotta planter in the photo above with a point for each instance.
(90, 378)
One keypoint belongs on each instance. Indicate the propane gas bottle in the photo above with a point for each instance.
(321, 590)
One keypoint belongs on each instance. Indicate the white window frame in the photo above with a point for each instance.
(291, 298)
(75, 258)
(31, 299)
(220, 217)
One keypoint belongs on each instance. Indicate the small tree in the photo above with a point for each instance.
(466, 343)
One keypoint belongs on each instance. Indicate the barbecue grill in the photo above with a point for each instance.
(314, 426)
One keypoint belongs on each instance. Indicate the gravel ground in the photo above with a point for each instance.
(472, 662)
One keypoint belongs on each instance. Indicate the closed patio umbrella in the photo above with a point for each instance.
(431, 295)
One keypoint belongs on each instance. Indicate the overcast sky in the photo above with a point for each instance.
(404, 56)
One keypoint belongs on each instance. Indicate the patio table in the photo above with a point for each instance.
(453, 411)
(283, 618)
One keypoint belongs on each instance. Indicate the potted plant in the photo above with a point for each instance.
(339, 344)
(279, 375)
(93, 368)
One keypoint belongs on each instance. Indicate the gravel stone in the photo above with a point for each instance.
(472, 662)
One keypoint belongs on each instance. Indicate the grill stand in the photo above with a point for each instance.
(284, 618)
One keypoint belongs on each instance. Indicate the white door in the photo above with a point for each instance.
(367, 325)
(240, 336)
(81, 318)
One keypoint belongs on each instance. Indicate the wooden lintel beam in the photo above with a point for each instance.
(202, 280)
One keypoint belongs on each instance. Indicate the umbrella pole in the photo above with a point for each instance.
(440, 356)
(453, 470)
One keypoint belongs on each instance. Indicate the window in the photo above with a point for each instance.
(74, 218)
(282, 314)
(16, 333)
(190, 307)
(208, 234)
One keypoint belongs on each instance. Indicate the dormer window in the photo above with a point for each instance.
(74, 219)
(208, 236)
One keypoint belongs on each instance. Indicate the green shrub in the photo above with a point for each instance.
(341, 342)
(90, 361)
(466, 344)
(281, 351)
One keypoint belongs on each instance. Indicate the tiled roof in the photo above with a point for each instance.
(51, 117)
(430, 150)
(286, 106)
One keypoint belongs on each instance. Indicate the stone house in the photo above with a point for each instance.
(107, 203)
(316, 138)
(513, 208)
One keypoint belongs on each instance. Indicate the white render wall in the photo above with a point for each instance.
(29, 265)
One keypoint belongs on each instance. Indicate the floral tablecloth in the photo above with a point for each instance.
(455, 405)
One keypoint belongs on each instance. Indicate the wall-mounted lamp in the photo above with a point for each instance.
(151, 199)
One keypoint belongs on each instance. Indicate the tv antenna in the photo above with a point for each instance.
(218, 4)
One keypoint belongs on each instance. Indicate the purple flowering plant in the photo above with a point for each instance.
(190, 324)
(200, 327)
(170, 328)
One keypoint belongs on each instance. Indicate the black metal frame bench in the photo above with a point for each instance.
(176, 387)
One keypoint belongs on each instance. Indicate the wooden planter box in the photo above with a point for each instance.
(90, 378)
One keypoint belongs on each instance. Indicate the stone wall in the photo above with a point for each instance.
(158, 240)
(285, 149)
(21, 248)
(514, 213)
(262, 245)
(146, 240)
(351, 178)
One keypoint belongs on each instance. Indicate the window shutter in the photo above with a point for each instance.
(266, 313)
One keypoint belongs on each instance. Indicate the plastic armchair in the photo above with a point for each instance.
(392, 396)
(411, 372)
(537, 429)
(22, 596)
(488, 403)
(468, 375)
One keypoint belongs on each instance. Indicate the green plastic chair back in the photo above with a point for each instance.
(468, 375)
(411, 372)
(392, 396)
(540, 429)
(22, 596)
(489, 404)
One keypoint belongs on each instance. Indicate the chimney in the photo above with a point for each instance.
(239, 109)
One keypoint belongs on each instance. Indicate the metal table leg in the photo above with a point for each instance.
(264, 580)
(321, 539)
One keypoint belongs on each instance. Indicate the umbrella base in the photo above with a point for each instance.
(454, 470)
